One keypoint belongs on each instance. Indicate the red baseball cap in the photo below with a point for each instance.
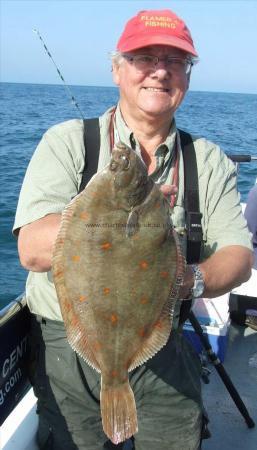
(156, 28)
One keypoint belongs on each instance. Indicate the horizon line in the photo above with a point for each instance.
(115, 87)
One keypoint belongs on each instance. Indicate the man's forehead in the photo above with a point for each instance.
(160, 49)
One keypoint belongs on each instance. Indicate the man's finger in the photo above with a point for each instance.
(168, 189)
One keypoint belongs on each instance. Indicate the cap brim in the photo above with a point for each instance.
(145, 41)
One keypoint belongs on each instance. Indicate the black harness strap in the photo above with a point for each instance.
(193, 215)
(192, 212)
(92, 149)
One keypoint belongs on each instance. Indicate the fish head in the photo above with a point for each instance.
(129, 174)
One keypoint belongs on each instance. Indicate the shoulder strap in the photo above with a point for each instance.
(193, 215)
(92, 148)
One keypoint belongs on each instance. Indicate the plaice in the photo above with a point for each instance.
(117, 267)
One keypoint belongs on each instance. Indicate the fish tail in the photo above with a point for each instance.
(118, 410)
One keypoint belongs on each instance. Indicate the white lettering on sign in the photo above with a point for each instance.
(14, 357)
(9, 385)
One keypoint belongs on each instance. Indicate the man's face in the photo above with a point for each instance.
(155, 92)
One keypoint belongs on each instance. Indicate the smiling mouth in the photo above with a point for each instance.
(152, 89)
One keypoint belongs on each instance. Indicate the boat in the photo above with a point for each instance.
(235, 344)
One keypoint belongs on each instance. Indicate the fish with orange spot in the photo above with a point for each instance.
(133, 322)
(143, 264)
(83, 215)
(114, 318)
(106, 246)
(143, 300)
(75, 258)
(164, 274)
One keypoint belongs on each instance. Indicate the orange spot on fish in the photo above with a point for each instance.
(75, 258)
(84, 215)
(158, 324)
(106, 291)
(74, 321)
(106, 245)
(82, 298)
(114, 373)
(143, 264)
(58, 273)
(67, 305)
(144, 300)
(158, 205)
(97, 345)
(142, 332)
(164, 274)
(114, 319)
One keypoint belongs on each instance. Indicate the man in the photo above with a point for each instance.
(152, 68)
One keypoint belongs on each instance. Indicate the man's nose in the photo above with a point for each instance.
(160, 69)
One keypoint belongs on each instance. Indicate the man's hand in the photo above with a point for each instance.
(168, 189)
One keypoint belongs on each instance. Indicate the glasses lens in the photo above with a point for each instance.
(149, 62)
(178, 65)
(144, 62)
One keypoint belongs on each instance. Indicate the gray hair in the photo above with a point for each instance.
(117, 57)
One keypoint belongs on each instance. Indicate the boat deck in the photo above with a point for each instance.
(227, 426)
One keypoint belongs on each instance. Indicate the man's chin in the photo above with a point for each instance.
(157, 112)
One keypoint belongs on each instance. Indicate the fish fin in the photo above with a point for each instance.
(181, 267)
(158, 337)
(79, 343)
(132, 225)
(75, 334)
(118, 411)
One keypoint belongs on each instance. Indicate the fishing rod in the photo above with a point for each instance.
(221, 370)
(67, 88)
(242, 158)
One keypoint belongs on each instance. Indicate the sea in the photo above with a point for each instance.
(28, 110)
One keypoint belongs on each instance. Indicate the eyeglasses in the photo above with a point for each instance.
(146, 63)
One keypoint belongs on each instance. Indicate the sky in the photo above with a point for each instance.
(80, 35)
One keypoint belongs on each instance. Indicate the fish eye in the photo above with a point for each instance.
(126, 162)
(113, 165)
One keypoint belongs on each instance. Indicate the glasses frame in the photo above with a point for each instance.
(154, 60)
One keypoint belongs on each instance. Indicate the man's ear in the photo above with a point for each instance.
(116, 74)
(188, 79)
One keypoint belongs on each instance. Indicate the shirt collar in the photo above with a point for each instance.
(122, 133)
